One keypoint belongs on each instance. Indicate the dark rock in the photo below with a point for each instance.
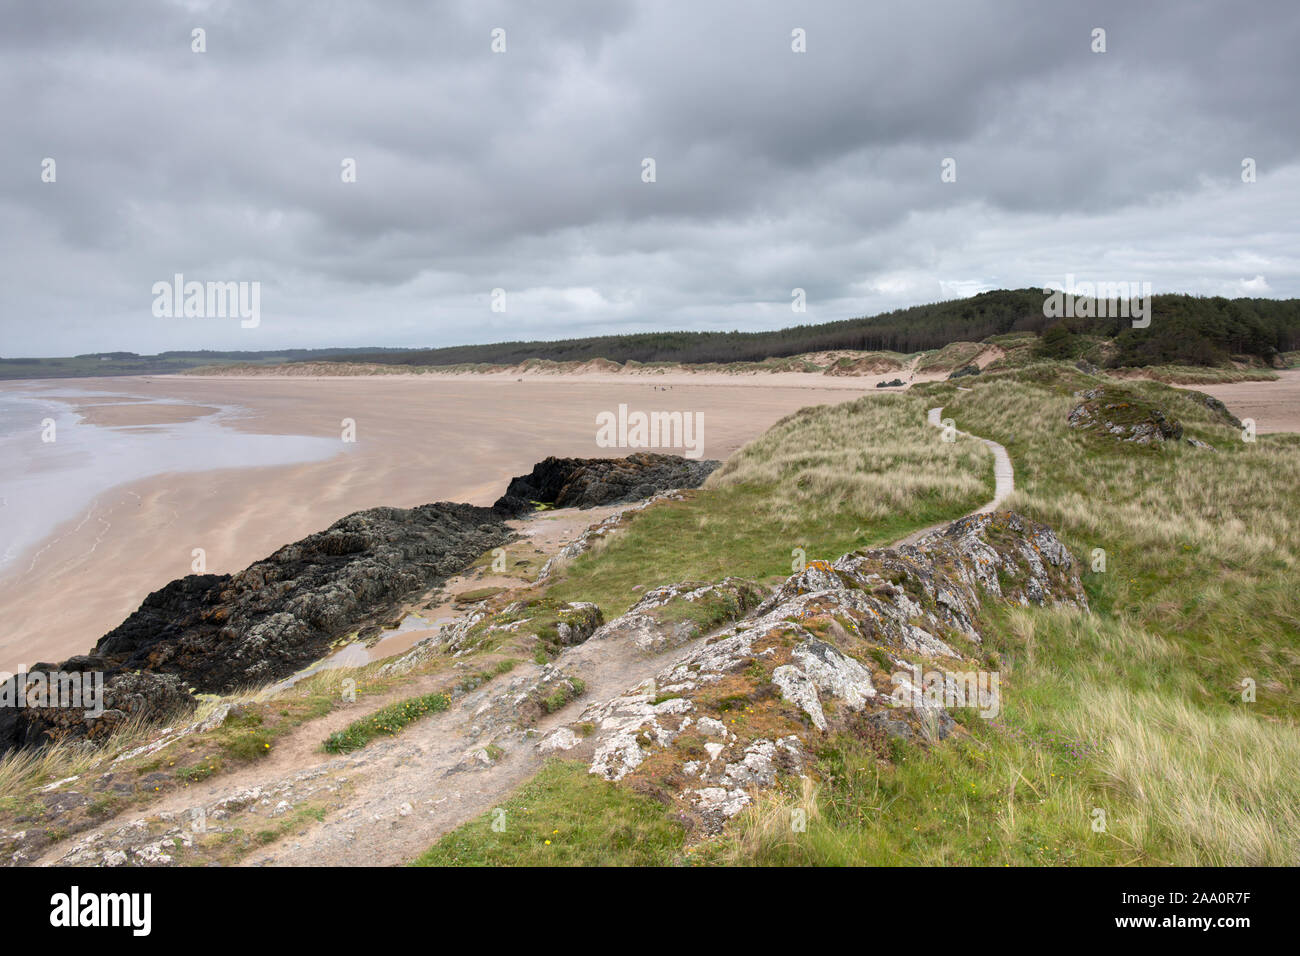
(218, 632)
(588, 482)
(125, 696)
(64, 802)
(282, 613)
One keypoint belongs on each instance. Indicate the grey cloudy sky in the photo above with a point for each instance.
(522, 170)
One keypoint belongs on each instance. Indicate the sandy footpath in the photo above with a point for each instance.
(419, 439)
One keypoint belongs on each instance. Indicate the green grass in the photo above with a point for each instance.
(825, 480)
(388, 721)
(564, 816)
(245, 738)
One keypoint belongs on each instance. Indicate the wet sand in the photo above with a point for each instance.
(418, 439)
(140, 414)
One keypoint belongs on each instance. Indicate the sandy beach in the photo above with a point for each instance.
(418, 439)
(1275, 406)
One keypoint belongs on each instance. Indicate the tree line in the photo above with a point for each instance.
(1184, 329)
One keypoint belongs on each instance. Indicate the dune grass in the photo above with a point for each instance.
(22, 771)
(949, 358)
(1203, 375)
(1135, 714)
(825, 480)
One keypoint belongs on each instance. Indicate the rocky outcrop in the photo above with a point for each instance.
(524, 701)
(555, 626)
(588, 482)
(872, 644)
(1123, 417)
(217, 632)
(169, 838)
(125, 696)
(668, 617)
(1216, 407)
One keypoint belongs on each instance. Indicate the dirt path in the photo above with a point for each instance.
(1004, 479)
(405, 792)
(400, 794)
(412, 789)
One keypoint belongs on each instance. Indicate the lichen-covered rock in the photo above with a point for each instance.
(1123, 417)
(167, 838)
(835, 647)
(524, 700)
(668, 617)
(577, 622)
(819, 669)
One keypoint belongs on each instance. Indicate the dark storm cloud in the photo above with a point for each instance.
(522, 170)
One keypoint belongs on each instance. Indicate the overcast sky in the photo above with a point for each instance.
(523, 170)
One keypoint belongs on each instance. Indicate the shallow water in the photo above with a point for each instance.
(45, 483)
(412, 629)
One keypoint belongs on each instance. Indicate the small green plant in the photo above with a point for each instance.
(386, 722)
(571, 689)
(244, 737)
